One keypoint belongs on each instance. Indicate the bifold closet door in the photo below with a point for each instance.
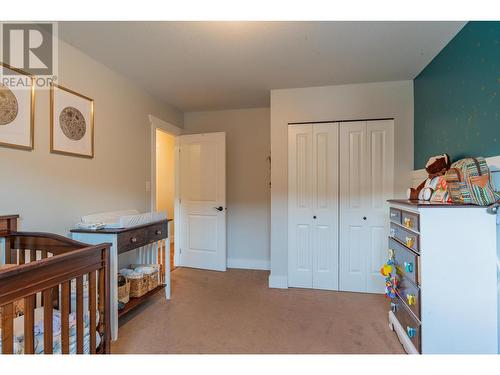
(366, 182)
(313, 206)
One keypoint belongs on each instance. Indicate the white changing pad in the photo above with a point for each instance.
(122, 219)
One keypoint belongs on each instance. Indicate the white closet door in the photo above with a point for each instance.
(380, 153)
(325, 206)
(353, 191)
(366, 182)
(313, 206)
(300, 206)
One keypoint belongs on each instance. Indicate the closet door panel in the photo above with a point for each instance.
(300, 206)
(325, 206)
(353, 182)
(380, 151)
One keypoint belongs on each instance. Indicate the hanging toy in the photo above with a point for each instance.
(390, 281)
(386, 269)
(390, 292)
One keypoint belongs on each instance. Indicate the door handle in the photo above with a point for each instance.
(220, 208)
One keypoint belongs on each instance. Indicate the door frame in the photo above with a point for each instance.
(166, 127)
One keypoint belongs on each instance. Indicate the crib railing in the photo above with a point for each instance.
(42, 269)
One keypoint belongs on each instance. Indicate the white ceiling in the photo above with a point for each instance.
(219, 65)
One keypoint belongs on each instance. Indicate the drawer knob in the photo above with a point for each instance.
(407, 222)
(409, 241)
(412, 300)
(409, 267)
(158, 232)
(133, 240)
(390, 253)
(411, 332)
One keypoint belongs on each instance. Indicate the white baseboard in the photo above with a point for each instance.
(277, 281)
(248, 264)
(419, 175)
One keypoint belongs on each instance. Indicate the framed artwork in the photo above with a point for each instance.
(71, 123)
(17, 108)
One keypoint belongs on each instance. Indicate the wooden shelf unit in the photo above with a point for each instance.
(149, 237)
(134, 302)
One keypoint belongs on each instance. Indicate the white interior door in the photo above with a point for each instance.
(366, 182)
(202, 194)
(300, 212)
(380, 153)
(313, 206)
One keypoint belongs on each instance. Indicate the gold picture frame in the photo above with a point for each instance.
(53, 146)
(31, 145)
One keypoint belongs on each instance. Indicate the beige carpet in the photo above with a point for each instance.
(236, 312)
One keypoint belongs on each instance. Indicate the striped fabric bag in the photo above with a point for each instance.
(469, 182)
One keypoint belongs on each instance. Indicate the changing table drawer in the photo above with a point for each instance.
(411, 326)
(157, 232)
(131, 239)
(405, 236)
(405, 260)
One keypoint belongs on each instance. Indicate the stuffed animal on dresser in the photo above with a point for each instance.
(435, 167)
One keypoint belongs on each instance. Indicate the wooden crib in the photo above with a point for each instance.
(44, 280)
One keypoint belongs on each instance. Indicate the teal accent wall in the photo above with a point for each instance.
(457, 97)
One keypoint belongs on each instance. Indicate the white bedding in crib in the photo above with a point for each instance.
(120, 219)
(56, 322)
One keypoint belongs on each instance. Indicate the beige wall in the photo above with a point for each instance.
(165, 174)
(51, 192)
(332, 103)
(247, 180)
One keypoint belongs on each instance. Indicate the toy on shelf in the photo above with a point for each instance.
(436, 167)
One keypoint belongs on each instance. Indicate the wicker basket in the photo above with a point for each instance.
(138, 285)
(153, 278)
(124, 291)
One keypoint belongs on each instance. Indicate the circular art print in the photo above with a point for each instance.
(72, 123)
(8, 105)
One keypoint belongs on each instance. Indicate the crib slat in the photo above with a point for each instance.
(47, 322)
(101, 307)
(43, 255)
(29, 318)
(55, 297)
(8, 329)
(21, 256)
(13, 256)
(79, 315)
(8, 252)
(92, 311)
(65, 309)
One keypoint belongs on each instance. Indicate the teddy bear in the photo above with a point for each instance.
(435, 167)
